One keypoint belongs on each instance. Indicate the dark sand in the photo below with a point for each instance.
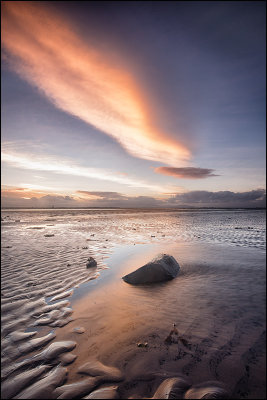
(217, 302)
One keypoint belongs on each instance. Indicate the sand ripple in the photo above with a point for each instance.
(45, 386)
(43, 264)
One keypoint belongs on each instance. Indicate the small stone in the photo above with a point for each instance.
(91, 262)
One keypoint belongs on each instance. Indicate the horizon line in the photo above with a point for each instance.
(133, 208)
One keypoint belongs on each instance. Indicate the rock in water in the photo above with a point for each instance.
(162, 268)
(91, 262)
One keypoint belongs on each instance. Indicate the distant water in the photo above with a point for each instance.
(236, 227)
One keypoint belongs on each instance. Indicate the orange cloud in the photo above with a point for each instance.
(186, 172)
(81, 80)
(21, 193)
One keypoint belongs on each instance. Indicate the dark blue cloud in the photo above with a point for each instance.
(222, 199)
(202, 198)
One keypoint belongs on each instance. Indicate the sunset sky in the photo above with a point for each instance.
(138, 104)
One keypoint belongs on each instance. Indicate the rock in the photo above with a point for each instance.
(162, 268)
(91, 262)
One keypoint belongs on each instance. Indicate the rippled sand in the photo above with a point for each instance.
(57, 317)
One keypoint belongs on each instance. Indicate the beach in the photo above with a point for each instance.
(216, 304)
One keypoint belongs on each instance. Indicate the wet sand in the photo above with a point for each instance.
(58, 315)
(218, 308)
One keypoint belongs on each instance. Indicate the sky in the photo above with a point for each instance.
(133, 104)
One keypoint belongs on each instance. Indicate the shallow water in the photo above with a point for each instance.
(45, 276)
(217, 303)
(236, 227)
